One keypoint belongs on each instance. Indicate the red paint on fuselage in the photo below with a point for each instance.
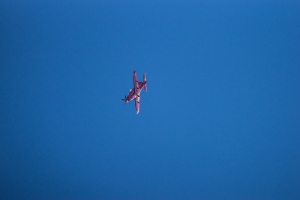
(131, 96)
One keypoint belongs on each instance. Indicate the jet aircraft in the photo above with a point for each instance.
(135, 92)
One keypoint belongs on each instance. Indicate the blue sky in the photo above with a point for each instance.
(220, 119)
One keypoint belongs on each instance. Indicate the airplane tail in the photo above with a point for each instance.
(145, 86)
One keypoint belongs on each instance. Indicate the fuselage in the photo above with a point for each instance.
(131, 95)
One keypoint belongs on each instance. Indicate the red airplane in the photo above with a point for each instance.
(136, 91)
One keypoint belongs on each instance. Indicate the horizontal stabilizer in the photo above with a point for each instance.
(145, 87)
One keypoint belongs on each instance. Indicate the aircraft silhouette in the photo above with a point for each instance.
(135, 92)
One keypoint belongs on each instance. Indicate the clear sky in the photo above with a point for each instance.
(220, 120)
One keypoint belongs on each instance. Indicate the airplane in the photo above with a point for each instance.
(135, 92)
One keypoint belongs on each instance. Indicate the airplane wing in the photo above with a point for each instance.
(137, 92)
(135, 82)
(137, 104)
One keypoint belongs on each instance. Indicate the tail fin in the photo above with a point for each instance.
(145, 86)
